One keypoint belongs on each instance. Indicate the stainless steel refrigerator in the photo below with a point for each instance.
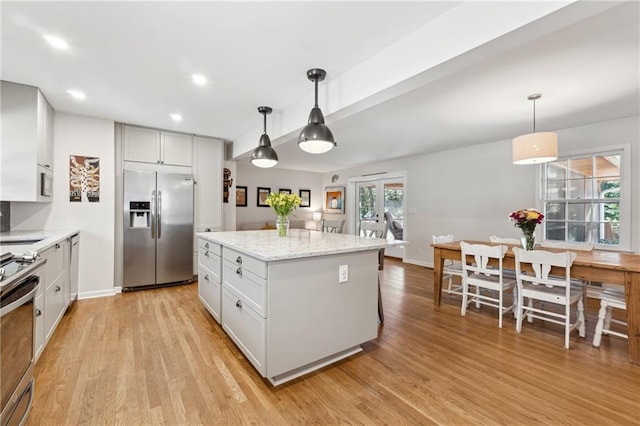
(158, 229)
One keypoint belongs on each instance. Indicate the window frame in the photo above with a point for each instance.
(626, 189)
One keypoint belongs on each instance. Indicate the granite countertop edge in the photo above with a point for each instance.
(267, 246)
(48, 239)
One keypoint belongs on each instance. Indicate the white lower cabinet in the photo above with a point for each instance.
(52, 297)
(246, 328)
(55, 305)
(38, 338)
(209, 291)
(209, 280)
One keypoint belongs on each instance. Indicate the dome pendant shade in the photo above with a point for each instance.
(264, 155)
(535, 148)
(315, 137)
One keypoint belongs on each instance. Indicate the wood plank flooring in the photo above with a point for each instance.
(157, 357)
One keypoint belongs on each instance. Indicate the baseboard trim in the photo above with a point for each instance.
(99, 293)
(419, 263)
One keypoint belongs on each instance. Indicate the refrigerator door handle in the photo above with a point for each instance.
(153, 214)
(159, 212)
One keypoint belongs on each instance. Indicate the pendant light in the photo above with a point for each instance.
(315, 137)
(264, 156)
(534, 148)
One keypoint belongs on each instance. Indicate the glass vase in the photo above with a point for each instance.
(282, 225)
(528, 241)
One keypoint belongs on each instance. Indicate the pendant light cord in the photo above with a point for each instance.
(315, 81)
(264, 121)
(534, 116)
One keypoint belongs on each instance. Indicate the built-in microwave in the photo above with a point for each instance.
(46, 184)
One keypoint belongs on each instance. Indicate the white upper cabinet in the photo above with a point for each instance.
(45, 132)
(157, 146)
(176, 149)
(26, 146)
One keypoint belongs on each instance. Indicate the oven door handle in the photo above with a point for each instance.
(17, 303)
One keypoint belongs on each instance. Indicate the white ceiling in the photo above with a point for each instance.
(134, 61)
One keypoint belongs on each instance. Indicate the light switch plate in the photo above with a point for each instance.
(343, 274)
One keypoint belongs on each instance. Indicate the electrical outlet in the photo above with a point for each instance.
(343, 274)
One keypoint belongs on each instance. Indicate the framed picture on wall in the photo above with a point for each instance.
(284, 190)
(333, 199)
(263, 193)
(305, 197)
(241, 196)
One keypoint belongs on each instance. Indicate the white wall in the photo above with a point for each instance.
(469, 192)
(79, 135)
(253, 177)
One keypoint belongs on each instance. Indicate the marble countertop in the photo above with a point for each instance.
(268, 246)
(47, 239)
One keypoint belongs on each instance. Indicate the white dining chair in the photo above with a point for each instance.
(501, 240)
(543, 287)
(609, 299)
(334, 226)
(370, 229)
(511, 273)
(477, 272)
(451, 268)
(574, 246)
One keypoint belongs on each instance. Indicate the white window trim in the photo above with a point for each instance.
(626, 185)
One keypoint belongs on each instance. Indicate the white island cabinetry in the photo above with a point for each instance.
(283, 303)
(209, 280)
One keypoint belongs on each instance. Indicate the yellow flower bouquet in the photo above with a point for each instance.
(283, 204)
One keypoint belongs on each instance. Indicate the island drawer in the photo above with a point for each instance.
(248, 263)
(245, 327)
(209, 291)
(211, 247)
(210, 261)
(247, 284)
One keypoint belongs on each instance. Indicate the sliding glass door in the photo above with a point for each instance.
(382, 201)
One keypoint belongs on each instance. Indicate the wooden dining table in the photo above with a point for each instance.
(597, 265)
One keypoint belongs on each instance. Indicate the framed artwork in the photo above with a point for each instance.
(305, 196)
(285, 190)
(263, 193)
(333, 199)
(241, 196)
(84, 179)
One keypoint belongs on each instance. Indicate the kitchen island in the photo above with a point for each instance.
(291, 304)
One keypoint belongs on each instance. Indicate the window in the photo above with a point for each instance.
(584, 198)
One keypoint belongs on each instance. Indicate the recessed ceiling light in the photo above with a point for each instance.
(56, 42)
(76, 94)
(199, 79)
(175, 117)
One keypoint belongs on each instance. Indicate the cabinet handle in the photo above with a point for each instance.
(206, 277)
(58, 288)
(206, 253)
(158, 161)
(239, 271)
(239, 304)
(38, 312)
(57, 246)
(239, 260)
(207, 230)
(206, 245)
(47, 166)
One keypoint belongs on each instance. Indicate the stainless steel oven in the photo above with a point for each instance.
(19, 282)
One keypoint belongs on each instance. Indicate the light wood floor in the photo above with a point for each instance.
(157, 357)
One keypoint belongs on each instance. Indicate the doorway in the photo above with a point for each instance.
(382, 200)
